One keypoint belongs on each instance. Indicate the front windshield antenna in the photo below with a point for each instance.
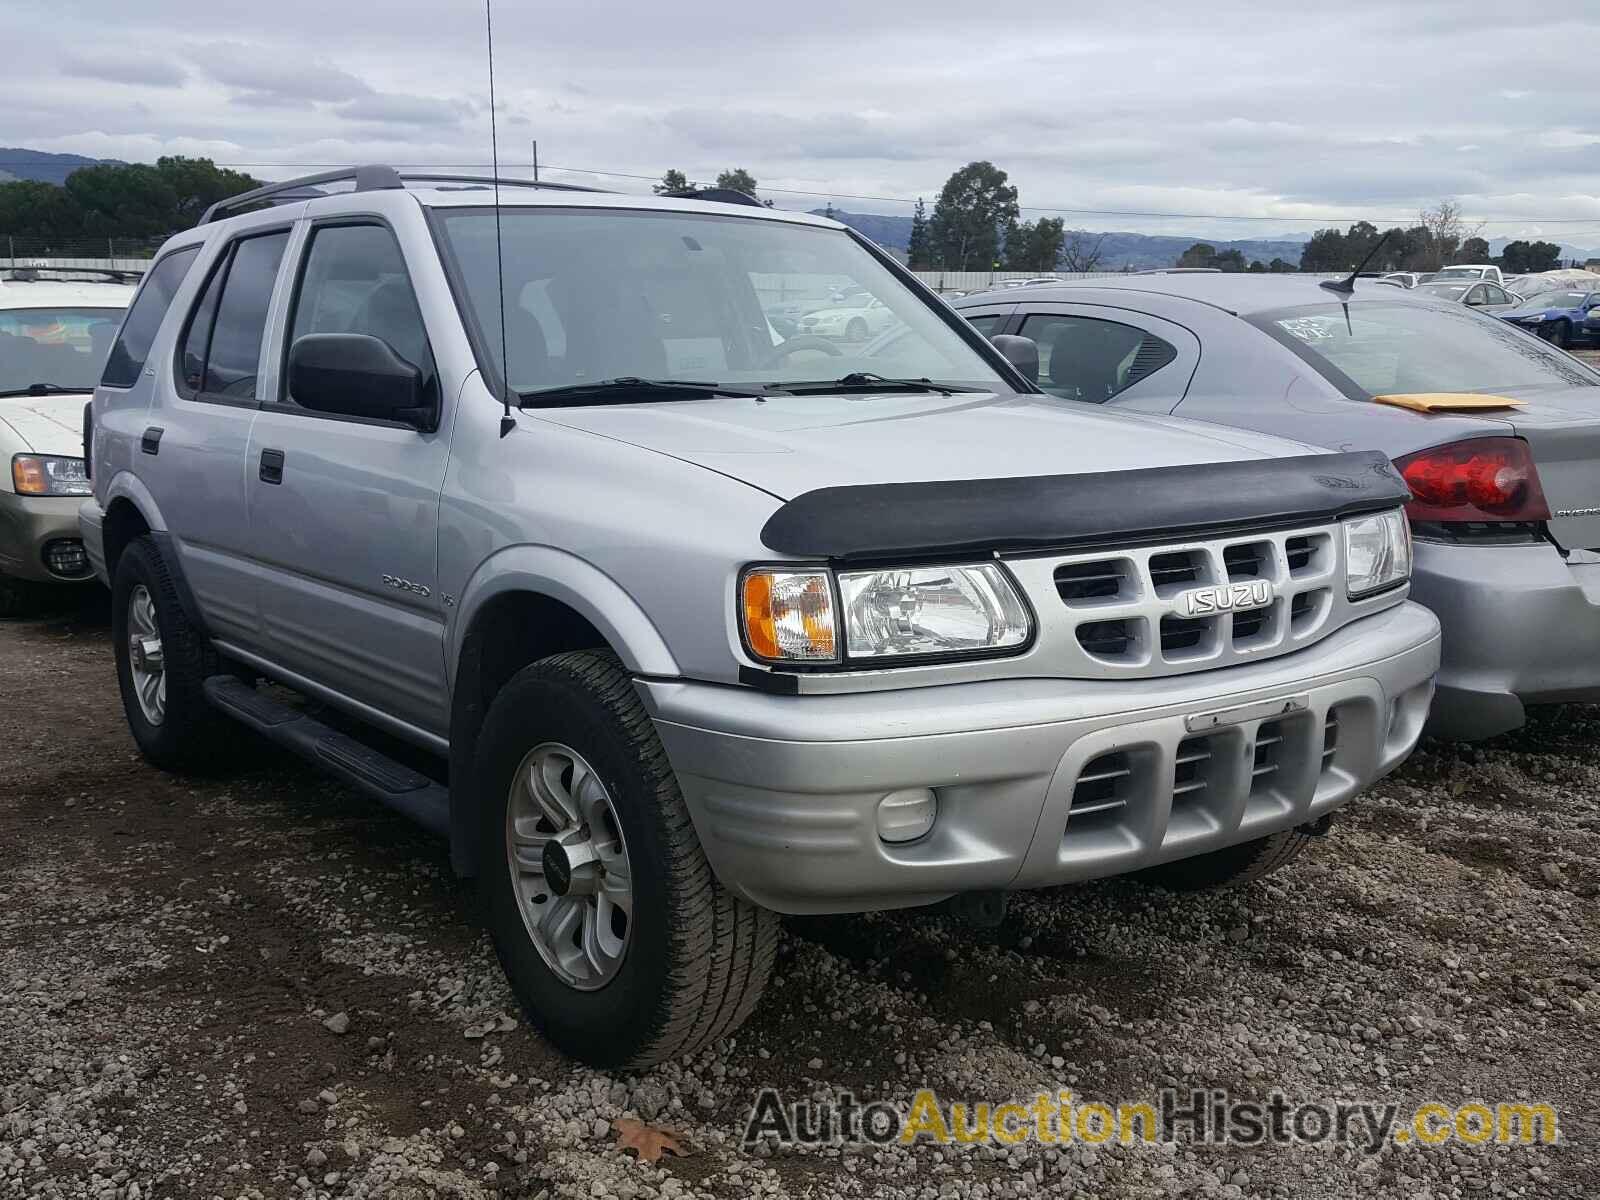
(507, 421)
(1347, 286)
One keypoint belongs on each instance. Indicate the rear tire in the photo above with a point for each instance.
(1561, 334)
(694, 958)
(175, 726)
(1233, 866)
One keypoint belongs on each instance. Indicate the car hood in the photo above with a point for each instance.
(1523, 310)
(789, 445)
(46, 424)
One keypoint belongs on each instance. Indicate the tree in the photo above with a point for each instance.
(119, 200)
(198, 183)
(1201, 254)
(1257, 267)
(917, 249)
(1278, 267)
(1230, 260)
(1082, 251)
(1034, 245)
(1525, 258)
(975, 206)
(739, 180)
(673, 181)
(1475, 249)
(1443, 228)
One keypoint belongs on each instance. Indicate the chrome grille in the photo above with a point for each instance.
(1114, 613)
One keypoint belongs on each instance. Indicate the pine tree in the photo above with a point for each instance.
(917, 250)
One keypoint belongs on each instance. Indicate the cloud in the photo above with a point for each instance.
(1219, 109)
(394, 108)
(263, 71)
(120, 66)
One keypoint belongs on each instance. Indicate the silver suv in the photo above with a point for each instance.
(701, 623)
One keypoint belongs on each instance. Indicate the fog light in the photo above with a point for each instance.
(66, 557)
(906, 816)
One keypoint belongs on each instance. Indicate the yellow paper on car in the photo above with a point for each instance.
(1447, 401)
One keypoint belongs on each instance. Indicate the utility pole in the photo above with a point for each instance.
(536, 160)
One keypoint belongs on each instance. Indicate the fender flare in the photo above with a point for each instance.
(545, 571)
(579, 585)
(125, 485)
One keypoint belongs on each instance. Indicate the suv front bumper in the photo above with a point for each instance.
(784, 790)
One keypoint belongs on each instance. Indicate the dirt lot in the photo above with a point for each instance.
(264, 986)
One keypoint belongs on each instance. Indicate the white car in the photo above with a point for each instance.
(853, 322)
(54, 337)
(1468, 271)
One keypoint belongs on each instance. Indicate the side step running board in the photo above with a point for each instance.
(407, 791)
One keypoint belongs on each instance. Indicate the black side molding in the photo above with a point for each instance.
(1045, 512)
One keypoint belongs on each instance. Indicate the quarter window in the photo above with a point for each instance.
(132, 346)
(1084, 358)
(988, 324)
(355, 282)
(233, 355)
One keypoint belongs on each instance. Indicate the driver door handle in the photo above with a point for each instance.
(271, 470)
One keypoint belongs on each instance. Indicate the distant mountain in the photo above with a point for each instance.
(1132, 250)
(17, 163)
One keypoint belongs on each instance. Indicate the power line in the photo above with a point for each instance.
(821, 195)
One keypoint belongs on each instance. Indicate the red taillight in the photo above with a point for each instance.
(1485, 479)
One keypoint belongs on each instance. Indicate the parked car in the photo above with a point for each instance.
(1486, 297)
(854, 321)
(1470, 271)
(1506, 515)
(1406, 279)
(1560, 316)
(54, 336)
(708, 628)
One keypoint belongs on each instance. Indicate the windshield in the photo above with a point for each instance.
(1460, 273)
(593, 295)
(1449, 291)
(1377, 348)
(64, 347)
(1557, 300)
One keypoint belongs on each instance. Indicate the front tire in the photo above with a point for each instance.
(622, 974)
(1232, 866)
(856, 330)
(1561, 334)
(162, 664)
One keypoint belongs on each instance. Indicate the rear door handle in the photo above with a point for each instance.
(271, 466)
(150, 443)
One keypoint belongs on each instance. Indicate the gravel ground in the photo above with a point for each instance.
(262, 985)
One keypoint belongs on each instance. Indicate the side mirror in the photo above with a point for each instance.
(358, 375)
(1021, 352)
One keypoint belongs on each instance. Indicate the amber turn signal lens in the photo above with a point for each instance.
(788, 616)
(28, 476)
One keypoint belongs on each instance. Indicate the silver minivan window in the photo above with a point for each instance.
(594, 294)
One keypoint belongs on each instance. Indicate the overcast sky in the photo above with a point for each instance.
(1240, 109)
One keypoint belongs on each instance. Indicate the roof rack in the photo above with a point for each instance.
(373, 177)
(721, 195)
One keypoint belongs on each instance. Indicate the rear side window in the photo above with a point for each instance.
(1084, 358)
(355, 282)
(222, 345)
(132, 346)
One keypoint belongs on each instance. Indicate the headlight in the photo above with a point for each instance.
(1377, 552)
(931, 610)
(48, 475)
(788, 616)
(1537, 317)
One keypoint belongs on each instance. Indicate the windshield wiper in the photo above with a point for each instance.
(877, 383)
(45, 389)
(628, 387)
